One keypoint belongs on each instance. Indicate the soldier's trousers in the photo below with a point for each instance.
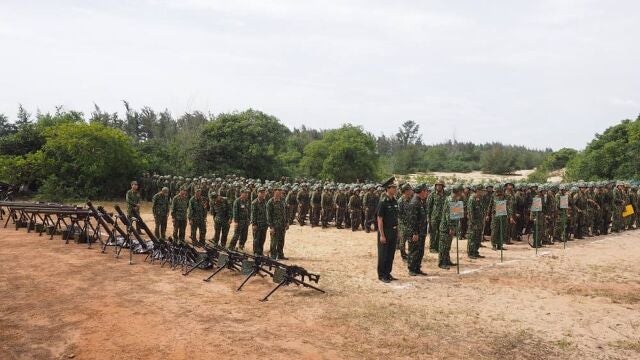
(315, 215)
(340, 214)
(617, 219)
(326, 216)
(259, 237)
(370, 218)
(434, 234)
(474, 235)
(580, 225)
(386, 252)
(416, 253)
(292, 213)
(179, 229)
(277, 242)
(161, 226)
(402, 244)
(239, 235)
(444, 248)
(302, 213)
(606, 222)
(355, 219)
(221, 232)
(201, 227)
(498, 231)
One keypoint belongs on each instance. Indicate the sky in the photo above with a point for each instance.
(536, 73)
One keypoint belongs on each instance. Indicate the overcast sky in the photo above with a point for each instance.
(537, 73)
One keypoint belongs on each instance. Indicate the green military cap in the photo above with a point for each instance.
(439, 182)
(184, 187)
(134, 182)
(197, 189)
(276, 186)
(479, 187)
(456, 187)
(406, 187)
(420, 188)
(165, 189)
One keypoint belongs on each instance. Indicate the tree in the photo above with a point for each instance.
(81, 160)
(614, 154)
(6, 128)
(246, 143)
(409, 134)
(345, 155)
(23, 117)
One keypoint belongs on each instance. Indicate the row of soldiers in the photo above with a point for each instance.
(545, 213)
(262, 215)
(321, 204)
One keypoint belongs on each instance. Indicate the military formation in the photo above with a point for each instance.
(504, 213)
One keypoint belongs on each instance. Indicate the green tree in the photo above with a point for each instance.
(246, 143)
(81, 160)
(345, 154)
(6, 128)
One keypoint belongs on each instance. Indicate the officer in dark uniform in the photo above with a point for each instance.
(387, 217)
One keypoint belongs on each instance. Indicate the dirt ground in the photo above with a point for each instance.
(62, 301)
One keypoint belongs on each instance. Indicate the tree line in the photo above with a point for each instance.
(69, 154)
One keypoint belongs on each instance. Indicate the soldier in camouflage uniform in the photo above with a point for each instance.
(580, 204)
(370, 202)
(292, 204)
(160, 209)
(475, 218)
(417, 226)
(498, 223)
(448, 228)
(405, 220)
(355, 209)
(241, 218)
(221, 212)
(326, 202)
(278, 225)
(316, 205)
(259, 223)
(619, 201)
(341, 201)
(179, 206)
(197, 215)
(435, 201)
(303, 204)
(133, 200)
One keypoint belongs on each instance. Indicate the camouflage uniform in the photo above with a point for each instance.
(417, 225)
(435, 202)
(133, 200)
(221, 211)
(341, 200)
(303, 205)
(241, 214)
(355, 210)
(276, 219)
(259, 224)
(446, 228)
(326, 202)
(179, 207)
(316, 207)
(197, 215)
(475, 222)
(160, 208)
(405, 224)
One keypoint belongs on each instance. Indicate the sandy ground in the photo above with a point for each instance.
(62, 301)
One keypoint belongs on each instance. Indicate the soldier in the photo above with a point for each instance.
(197, 215)
(160, 208)
(292, 204)
(562, 214)
(538, 217)
(619, 202)
(341, 201)
(435, 201)
(580, 204)
(418, 225)
(278, 224)
(405, 220)
(303, 204)
(448, 228)
(179, 206)
(133, 200)
(316, 205)
(370, 202)
(500, 213)
(241, 213)
(221, 212)
(326, 202)
(259, 224)
(475, 218)
(387, 218)
(355, 209)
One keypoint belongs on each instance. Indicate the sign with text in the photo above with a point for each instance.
(456, 211)
(536, 204)
(564, 202)
(501, 207)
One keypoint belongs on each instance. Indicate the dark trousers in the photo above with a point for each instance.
(221, 232)
(179, 229)
(277, 242)
(387, 251)
(416, 253)
(161, 226)
(199, 229)
(240, 235)
(259, 237)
